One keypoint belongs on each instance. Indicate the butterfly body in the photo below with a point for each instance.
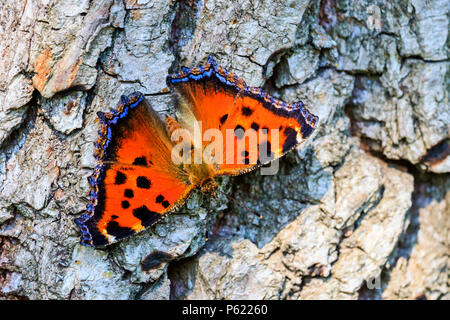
(148, 167)
(210, 187)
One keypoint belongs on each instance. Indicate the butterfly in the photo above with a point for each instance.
(148, 167)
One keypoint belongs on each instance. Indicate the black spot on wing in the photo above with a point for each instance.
(146, 216)
(125, 204)
(239, 131)
(121, 178)
(246, 111)
(143, 183)
(255, 126)
(113, 228)
(223, 118)
(291, 139)
(165, 204)
(128, 193)
(140, 161)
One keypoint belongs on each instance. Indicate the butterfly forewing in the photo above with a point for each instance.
(255, 127)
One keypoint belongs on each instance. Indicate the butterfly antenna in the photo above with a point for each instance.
(207, 230)
(239, 203)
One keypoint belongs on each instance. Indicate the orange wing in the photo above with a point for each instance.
(135, 182)
(256, 127)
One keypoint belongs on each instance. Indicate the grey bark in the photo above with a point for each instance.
(361, 211)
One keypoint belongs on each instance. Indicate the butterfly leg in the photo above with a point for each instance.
(209, 187)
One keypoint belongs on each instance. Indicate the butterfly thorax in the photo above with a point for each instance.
(199, 174)
(209, 187)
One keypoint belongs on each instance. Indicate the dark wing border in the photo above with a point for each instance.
(89, 236)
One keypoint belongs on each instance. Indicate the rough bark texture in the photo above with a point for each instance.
(362, 211)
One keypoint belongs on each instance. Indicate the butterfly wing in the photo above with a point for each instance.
(135, 182)
(201, 97)
(223, 101)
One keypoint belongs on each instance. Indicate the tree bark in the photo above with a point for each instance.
(360, 212)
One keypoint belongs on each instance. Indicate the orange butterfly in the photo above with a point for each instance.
(147, 168)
